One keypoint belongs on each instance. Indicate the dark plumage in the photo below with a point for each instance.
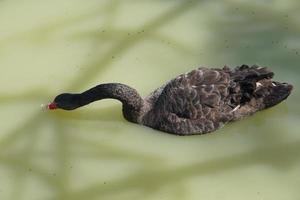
(196, 102)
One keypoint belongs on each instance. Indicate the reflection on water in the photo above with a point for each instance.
(93, 153)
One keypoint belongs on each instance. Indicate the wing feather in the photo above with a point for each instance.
(192, 95)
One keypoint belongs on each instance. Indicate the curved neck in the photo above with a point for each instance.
(131, 100)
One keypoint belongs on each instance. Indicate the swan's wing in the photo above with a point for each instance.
(194, 102)
(194, 94)
(202, 100)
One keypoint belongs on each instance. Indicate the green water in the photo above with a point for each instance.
(68, 46)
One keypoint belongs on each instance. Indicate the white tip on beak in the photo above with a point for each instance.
(43, 106)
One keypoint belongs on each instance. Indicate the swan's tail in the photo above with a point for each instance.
(255, 84)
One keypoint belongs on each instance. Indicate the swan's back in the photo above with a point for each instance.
(204, 99)
(192, 95)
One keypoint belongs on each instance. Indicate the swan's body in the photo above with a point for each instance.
(196, 102)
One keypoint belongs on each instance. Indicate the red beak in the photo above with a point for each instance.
(52, 106)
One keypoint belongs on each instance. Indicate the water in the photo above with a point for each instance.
(93, 153)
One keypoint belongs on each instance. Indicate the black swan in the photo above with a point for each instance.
(196, 102)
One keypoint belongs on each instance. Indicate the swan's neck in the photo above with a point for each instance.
(131, 100)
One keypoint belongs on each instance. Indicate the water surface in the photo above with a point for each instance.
(93, 153)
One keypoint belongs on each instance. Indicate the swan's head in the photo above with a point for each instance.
(65, 101)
